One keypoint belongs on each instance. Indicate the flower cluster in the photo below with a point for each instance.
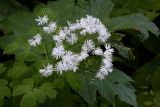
(68, 60)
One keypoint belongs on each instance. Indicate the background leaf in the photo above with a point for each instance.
(28, 100)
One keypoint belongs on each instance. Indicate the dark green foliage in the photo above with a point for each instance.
(135, 39)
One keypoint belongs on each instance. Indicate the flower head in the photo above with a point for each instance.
(88, 46)
(36, 40)
(58, 51)
(47, 70)
(71, 38)
(68, 60)
(82, 56)
(98, 51)
(42, 20)
(50, 28)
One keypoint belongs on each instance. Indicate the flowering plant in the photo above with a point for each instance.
(50, 61)
(68, 60)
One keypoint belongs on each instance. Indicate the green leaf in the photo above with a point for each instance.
(14, 83)
(39, 95)
(21, 89)
(11, 47)
(75, 81)
(81, 83)
(16, 72)
(51, 93)
(3, 82)
(19, 20)
(2, 68)
(28, 82)
(47, 85)
(59, 83)
(126, 94)
(117, 83)
(5, 91)
(28, 100)
(22, 55)
(68, 8)
(18, 69)
(107, 89)
(134, 21)
(119, 76)
(48, 89)
(124, 51)
(101, 8)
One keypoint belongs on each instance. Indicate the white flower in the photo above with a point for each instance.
(82, 56)
(98, 51)
(89, 24)
(50, 28)
(42, 20)
(107, 62)
(47, 71)
(36, 40)
(106, 66)
(57, 39)
(60, 67)
(103, 72)
(71, 38)
(100, 75)
(108, 52)
(66, 30)
(88, 46)
(103, 35)
(62, 34)
(58, 51)
(83, 32)
(102, 38)
(69, 62)
(74, 26)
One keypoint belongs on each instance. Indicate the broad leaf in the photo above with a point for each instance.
(3, 82)
(117, 83)
(2, 68)
(82, 84)
(134, 21)
(21, 89)
(11, 47)
(101, 8)
(4, 92)
(18, 69)
(39, 95)
(27, 85)
(48, 89)
(28, 100)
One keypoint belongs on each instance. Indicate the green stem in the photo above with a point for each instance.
(47, 53)
(45, 47)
